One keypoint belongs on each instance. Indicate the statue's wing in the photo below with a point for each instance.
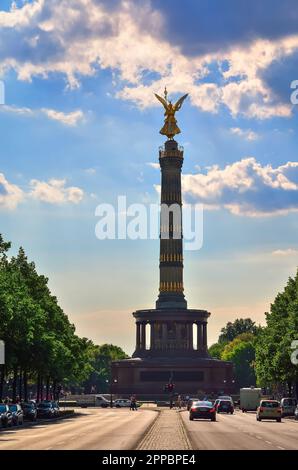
(178, 105)
(162, 100)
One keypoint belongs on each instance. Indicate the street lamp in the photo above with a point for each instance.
(111, 383)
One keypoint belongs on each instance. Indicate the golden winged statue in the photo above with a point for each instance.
(170, 127)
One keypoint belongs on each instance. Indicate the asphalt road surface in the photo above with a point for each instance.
(241, 431)
(94, 429)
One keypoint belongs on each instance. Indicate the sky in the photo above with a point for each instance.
(79, 126)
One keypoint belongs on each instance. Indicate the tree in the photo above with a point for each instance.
(216, 350)
(103, 355)
(273, 351)
(41, 344)
(241, 351)
(236, 328)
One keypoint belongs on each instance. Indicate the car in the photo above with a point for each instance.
(296, 413)
(288, 406)
(190, 401)
(56, 408)
(46, 409)
(17, 414)
(122, 403)
(102, 401)
(225, 406)
(202, 410)
(269, 409)
(30, 411)
(225, 397)
(5, 415)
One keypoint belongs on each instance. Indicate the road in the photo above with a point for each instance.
(121, 429)
(241, 431)
(94, 429)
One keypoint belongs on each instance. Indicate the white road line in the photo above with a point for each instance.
(268, 442)
(281, 448)
(49, 448)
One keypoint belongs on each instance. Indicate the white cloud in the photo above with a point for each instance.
(55, 192)
(68, 119)
(154, 165)
(247, 134)
(75, 38)
(10, 194)
(246, 188)
(90, 171)
(285, 252)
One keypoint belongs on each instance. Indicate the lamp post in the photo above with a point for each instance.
(111, 382)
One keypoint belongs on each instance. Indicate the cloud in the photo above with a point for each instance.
(90, 171)
(247, 134)
(55, 192)
(286, 252)
(146, 45)
(10, 194)
(246, 188)
(154, 165)
(68, 119)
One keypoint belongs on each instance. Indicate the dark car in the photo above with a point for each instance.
(46, 410)
(17, 414)
(296, 413)
(202, 410)
(30, 411)
(225, 406)
(5, 415)
(190, 401)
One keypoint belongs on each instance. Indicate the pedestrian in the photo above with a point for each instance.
(133, 403)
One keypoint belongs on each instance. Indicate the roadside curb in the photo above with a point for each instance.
(188, 434)
(148, 430)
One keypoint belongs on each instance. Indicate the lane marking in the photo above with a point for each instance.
(268, 442)
(281, 448)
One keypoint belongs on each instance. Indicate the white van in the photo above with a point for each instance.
(250, 398)
(288, 406)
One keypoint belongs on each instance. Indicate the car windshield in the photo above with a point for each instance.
(224, 402)
(45, 405)
(270, 404)
(13, 407)
(2, 408)
(203, 403)
(28, 405)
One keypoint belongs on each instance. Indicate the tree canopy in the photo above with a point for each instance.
(41, 343)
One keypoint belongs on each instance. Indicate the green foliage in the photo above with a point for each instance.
(40, 340)
(99, 378)
(216, 350)
(241, 351)
(236, 328)
(273, 349)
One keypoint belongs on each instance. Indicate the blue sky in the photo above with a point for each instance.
(80, 125)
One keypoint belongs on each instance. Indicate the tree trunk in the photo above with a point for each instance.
(38, 389)
(54, 389)
(48, 388)
(2, 375)
(25, 386)
(21, 385)
(14, 384)
(41, 388)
